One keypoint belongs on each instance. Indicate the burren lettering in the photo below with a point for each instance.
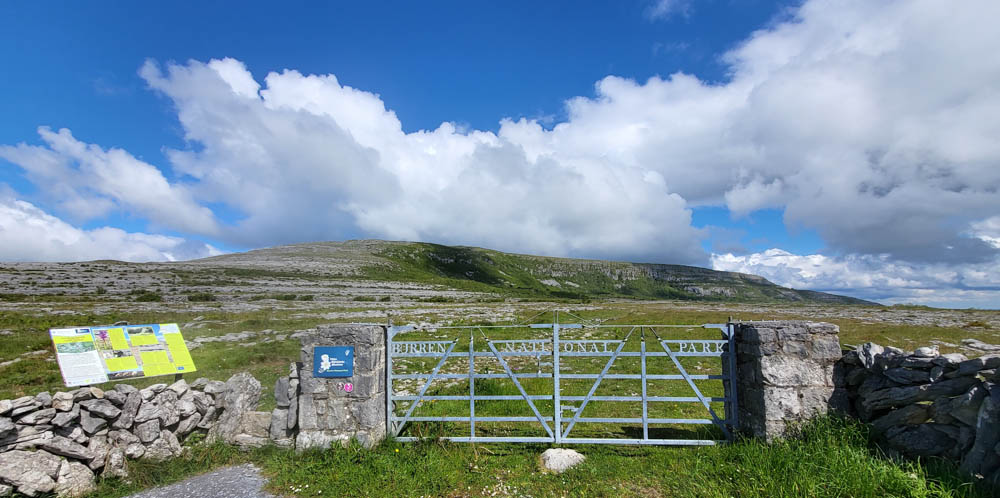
(419, 347)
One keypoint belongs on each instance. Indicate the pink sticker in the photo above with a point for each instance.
(348, 387)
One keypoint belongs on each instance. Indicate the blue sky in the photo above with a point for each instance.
(797, 140)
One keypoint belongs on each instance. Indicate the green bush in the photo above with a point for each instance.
(201, 297)
(148, 297)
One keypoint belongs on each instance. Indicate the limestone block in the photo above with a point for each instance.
(281, 397)
(38, 417)
(101, 407)
(970, 367)
(907, 415)
(148, 431)
(982, 458)
(868, 352)
(241, 395)
(90, 423)
(116, 465)
(165, 447)
(899, 396)
(129, 410)
(559, 460)
(59, 445)
(179, 388)
(31, 472)
(919, 362)
(115, 397)
(782, 371)
(202, 402)
(62, 401)
(215, 387)
(907, 376)
(74, 479)
(99, 447)
(166, 401)
(949, 360)
(7, 428)
(923, 440)
(826, 347)
(126, 389)
(964, 407)
(279, 425)
(188, 424)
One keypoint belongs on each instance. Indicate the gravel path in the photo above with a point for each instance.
(240, 481)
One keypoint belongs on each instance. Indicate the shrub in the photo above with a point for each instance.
(201, 297)
(148, 297)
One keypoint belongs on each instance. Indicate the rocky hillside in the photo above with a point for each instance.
(484, 270)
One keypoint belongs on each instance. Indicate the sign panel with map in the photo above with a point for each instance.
(92, 355)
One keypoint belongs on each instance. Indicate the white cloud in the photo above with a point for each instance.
(29, 234)
(873, 123)
(311, 149)
(87, 182)
(665, 9)
(874, 277)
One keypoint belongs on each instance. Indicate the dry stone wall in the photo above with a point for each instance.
(925, 404)
(59, 442)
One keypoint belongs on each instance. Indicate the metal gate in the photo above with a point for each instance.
(562, 383)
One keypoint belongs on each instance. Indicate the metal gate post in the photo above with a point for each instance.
(555, 381)
(472, 387)
(389, 406)
(733, 378)
(645, 401)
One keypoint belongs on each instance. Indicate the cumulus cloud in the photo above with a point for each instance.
(872, 123)
(874, 277)
(308, 158)
(87, 182)
(28, 233)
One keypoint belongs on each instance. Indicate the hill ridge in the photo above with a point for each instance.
(488, 270)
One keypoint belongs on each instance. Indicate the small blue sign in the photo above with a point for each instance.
(333, 361)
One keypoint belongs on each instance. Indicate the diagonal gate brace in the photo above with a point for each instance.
(697, 392)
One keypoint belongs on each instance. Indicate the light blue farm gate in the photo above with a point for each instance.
(627, 384)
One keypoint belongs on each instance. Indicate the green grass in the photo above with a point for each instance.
(831, 457)
(267, 361)
(201, 297)
(488, 271)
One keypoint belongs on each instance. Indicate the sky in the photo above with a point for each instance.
(841, 146)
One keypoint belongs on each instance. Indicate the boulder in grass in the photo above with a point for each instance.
(559, 460)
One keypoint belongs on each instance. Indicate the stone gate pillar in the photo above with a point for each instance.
(785, 374)
(343, 396)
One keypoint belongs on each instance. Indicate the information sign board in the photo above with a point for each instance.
(333, 361)
(92, 355)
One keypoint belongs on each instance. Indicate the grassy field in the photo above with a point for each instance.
(832, 458)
